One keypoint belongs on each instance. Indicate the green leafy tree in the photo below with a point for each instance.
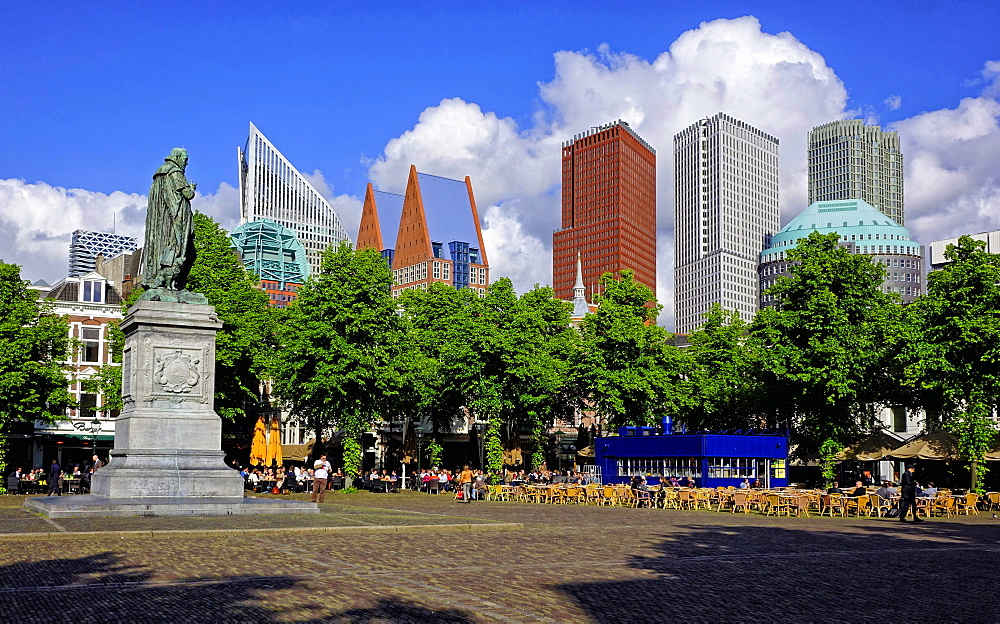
(34, 344)
(626, 369)
(952, 361)
(527, 349)
(339, 343)
(244, 347)
(722, 389)
(821, 352)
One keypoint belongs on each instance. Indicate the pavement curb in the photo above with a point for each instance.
(406, 528)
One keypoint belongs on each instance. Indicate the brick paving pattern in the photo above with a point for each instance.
(564, 564)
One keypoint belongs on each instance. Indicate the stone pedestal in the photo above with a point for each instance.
(168, 438)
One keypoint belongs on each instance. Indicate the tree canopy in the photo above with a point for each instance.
(627, 369)
(34, 346)
(339, 342)
(954, 360)
(821, 351)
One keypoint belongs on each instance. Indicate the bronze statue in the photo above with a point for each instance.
(168, 249)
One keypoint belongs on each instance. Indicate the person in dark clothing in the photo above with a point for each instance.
(908, 495)
(55, 471)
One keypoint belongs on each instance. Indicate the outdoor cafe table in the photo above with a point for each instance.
(69, 483)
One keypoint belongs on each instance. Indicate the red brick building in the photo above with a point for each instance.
(438, 237)
(608, 209)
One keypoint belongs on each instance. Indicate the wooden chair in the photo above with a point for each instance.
(878, 505)
(992, 501)
(967, 505)
(945, 505)
(862, 505)
(777, 505)
(830, 504)
(609, 496)
(574, 494)
(671, 500)
(741, 502)
(593, 494)
(800, 505)
(687, 499)
(642, 498)
(702, 499)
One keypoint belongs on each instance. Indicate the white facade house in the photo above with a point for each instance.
(271, 188)
(725, 210)
(91, 303)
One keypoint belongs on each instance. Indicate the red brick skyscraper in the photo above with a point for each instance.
(608, 209)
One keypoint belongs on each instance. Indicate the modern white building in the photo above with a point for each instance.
(271, 188)
(936, 249)
(849, 160)
(84, 247)
(725, 210)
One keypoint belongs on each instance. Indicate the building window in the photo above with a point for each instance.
(88, 405)
(93, 291)
(91, 339)
(899, 420)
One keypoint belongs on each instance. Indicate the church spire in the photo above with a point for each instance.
(580, 305)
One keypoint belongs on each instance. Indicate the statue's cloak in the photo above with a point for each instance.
(168, 249)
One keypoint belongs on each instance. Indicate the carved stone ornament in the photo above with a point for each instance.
(176, 372)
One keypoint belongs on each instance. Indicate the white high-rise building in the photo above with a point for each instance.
(725, 210)
(849, 160)
(271, 188)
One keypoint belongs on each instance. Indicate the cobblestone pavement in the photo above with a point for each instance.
(567, 564)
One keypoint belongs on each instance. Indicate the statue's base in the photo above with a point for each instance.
(91, 505)
(173, 296)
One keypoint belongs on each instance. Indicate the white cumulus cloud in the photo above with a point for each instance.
(772, 81)
(950, 156)
(37, 220)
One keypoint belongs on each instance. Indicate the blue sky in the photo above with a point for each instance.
(97, 94)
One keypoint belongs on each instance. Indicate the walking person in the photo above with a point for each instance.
(321, 472)
(908, 495)
(55, 475)
(465, 480)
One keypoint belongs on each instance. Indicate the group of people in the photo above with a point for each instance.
(471, 483)
(55, 476)
(909, 491)
(284, 478)
(547, 477)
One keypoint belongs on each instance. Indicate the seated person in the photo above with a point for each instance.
(859, 489)
(757, 484)
(885, 491)
(745, 484)
(930, 491)
(835, 489)
(689, 482)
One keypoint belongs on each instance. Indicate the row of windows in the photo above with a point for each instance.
(666, 466)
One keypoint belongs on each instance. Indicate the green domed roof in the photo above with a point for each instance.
(271, 251)
(853, 219)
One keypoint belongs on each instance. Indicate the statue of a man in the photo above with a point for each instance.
(168, 250)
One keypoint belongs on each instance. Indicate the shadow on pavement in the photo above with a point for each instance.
(939, 572)
(99, 588)
(398, 611)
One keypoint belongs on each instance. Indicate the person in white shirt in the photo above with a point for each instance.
(321, 473)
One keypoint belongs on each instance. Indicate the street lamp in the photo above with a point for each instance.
(421, 438)
(95, 428)
(480, 431)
